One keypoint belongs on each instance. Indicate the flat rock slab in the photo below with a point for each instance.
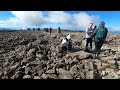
(80, 55)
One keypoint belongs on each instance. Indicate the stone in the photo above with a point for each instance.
(80, 66)
(118, 72)
(80, 55)
(118, 62)
(36, 62)
(50, 61)
(26, 77)
(6, 64)
(91, 66)
(27, 70)
(36, 77)
(109, 77)
(50, 72)
(63, 74)
(85, 55)
(119, 67)
(49, 67)
(40, 72)
(111, 61)
(42, 47)
(75, 60)
(116, 76)
(67, 57)
(73, 70)
(13, 67)
(40, 56)
(33, 51)
(58, 49)
(24, 61)
(44, 76)
(104, 65)
(90, 75)
(30, 46)
(52, 76)
(43, 57)
(53, 48)
(18, 75)
(87, 65)
(38, 67)
(5, 77)
(1, 73)
(109, 70)
(99, 64)
(104, 73)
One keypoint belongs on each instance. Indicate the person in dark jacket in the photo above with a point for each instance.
(100, 36)
(50, 30)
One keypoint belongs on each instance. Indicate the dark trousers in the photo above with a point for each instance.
(89, 41)
(64, 47)
(98, 46)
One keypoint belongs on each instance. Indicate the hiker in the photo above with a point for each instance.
(89, 34)
(38, 29)
(50, 30)
(59, 30)
(33, 29)
(100, 36)
(69, 42)
(46, 30)
(64, 44)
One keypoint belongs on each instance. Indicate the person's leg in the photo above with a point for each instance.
(96, 48)
(87, 42)
(70, 46)
(91, 43)
(64, 48)
(99, 48)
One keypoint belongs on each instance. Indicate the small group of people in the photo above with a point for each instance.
(93, 33)
(48, 30)
(98, 34)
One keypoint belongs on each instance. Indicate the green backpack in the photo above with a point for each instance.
(100, 34)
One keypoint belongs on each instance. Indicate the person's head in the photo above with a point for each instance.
(90, 25)
(102, 24)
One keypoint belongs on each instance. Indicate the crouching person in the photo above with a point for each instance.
(69, 40)
(64, 45)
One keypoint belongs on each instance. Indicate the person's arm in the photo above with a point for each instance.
(106, 32)
(95, 32)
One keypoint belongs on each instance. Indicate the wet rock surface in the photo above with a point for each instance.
(37, 55)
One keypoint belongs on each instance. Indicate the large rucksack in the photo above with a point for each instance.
(100, 35)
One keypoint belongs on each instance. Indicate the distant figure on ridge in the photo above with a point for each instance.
(59, 30)
(50, 30)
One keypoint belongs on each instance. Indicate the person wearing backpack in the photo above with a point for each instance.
(100, 36)
(89, 33)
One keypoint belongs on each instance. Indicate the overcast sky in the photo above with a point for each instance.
(64, 19)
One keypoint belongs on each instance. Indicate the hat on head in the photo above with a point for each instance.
(102, 22)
